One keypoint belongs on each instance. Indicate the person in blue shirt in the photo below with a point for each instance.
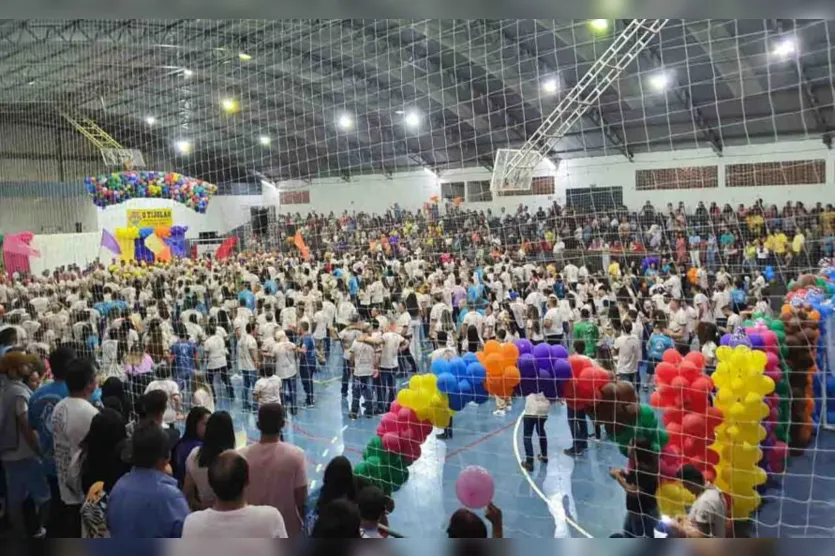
(307, 362)
(353, 287)
(183, 358)
(656, 346)
(146, 502)
(247, 297)
(8, 339)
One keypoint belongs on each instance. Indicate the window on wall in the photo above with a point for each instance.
(692, 177)
(294, 197)
(764, 174)
(543, 185)
(453, 190)
(479, 191)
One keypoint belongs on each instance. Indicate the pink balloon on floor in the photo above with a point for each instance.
(475, 487)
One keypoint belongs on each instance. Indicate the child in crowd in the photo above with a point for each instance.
(659, 342)
(268, 387)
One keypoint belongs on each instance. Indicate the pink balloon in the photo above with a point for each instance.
(772, 362)
(670, 461)
(780, 451)
(391, 442)
(475, 487)
(395, 407)
(770, 338)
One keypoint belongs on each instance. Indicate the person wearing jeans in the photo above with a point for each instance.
(537, 407)
(248, 362)
(364, 356)
(307, 365)
(579, 431)
(391, 344)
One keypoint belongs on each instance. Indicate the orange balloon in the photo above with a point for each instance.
(512, 378)
(786, 308)
(492, 346)
(510, 353)
(495, 385)
(813, 315)
(494, 363)
(481, 356)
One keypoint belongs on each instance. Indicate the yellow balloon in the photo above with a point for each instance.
(430, 382)
(723, 353)
(406, 398)
(673, 499)
(758, 360)
(416, 382)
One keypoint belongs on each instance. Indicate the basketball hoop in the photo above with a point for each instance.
(127, 159)
(519, 176)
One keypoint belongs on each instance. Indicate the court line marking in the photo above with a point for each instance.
(535, 487)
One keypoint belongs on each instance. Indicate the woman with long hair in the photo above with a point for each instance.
(219, 437)
(155, 342)
(533, 326)
(139, 369)
(192, 438)
(110, 365)
(338, 483)
(472, 342)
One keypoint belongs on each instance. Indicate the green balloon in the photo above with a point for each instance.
(663, 437)
(749, 323)
(646, 417)
(375, 448)
(778, 326)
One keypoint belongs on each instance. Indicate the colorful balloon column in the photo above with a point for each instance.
(137, 244)
(741, 388)
(112, 189)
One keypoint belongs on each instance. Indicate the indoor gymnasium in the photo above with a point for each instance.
(361, 278)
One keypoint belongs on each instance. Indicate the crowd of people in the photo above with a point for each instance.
(116, 379)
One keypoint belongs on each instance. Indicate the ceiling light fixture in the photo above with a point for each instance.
(550, 86)
(599, 25)
(659, 81)
(345, 121)
(150, 120)
(785, 48)
(412, 119)
(244, 57)
(264, 140)
(183, 146)
(229, 105)
(187, 72)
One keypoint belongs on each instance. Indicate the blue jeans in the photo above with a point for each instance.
(529, 423)
(579, 429)
(288, 393)
(306, 373)
(26, 479)
(249, 376)
(362, 386)
(346, 376)
(385, 388)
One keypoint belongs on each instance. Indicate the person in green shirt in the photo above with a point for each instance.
(587, 331)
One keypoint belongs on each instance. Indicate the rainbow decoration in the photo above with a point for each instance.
(109, 190)
(152, 245)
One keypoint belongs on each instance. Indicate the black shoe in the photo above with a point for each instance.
(380, 411)
(309, 403)
(444, 436)
(293, 411)
(353, 416)
(573, 452)
(527, 466)
(543, 459)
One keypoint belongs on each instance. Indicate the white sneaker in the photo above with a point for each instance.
(499, 413)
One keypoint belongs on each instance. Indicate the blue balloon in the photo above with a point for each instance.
(476, 373)
(480, 395)
(466, 390)
(458, 368)
(768, 273)
(447, 383)
(559, 352)
(470, 357)
(456, 402)
(440, 366)
(561, 370)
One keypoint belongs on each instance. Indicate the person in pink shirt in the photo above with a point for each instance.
(277, 471)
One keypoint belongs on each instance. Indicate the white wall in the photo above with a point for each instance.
(65, 249)
(377, 193)
(224, 213)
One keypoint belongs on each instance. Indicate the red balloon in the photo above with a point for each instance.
(578, 363)
(665, 372)
(674, 431)
(655, 400)
(389, 423)
(672, 357)
(698, 402)
(694, 447)
(572, 398)
(689, 371)
(696, 358)
(714, 417)
(681, 386)
(695, 426)
(406, 419)
(702, 384)
(673, 416)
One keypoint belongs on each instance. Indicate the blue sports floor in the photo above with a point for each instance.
(565, 498)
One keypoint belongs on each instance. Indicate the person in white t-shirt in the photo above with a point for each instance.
(216, 358)
(286, 368)
(553, 323)
(365, 367)
(163, 382)
(347, 336)
(71, 418)
(230, 516)
(627, 347)
(248, 363)
(268, 387)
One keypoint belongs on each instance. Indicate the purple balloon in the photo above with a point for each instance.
(527, 366)
(542, 352)
(561, 369)
(529, 384)
(739, 340)
(524, 346)
(725, 340)
(547, 384)
(559, 352)
(757, 341)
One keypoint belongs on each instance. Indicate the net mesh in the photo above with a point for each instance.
(382, 136)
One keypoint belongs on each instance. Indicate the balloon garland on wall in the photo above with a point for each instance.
(107, 190)
(135, 245)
